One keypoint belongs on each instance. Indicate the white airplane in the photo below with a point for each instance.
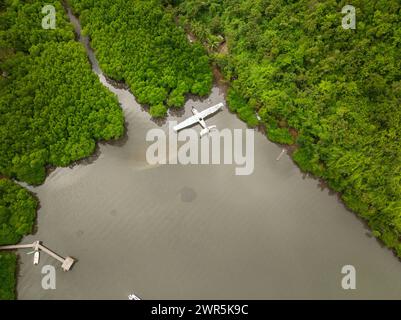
(199, 117)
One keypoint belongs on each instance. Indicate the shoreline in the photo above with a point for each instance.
(220, 83)
(290, 149)
(33, 231)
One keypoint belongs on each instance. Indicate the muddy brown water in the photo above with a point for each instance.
(198, 231)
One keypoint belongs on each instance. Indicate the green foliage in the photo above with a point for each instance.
(340, 89)
(17, 212)
(239, 105)
(8, 266)
(280, 135)
(235, 101)
(52, 107)
(21, 25)
(138, 42)
(17, 216)
(158, 111)
(308, 161)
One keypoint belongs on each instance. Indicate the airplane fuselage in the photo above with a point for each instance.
(200, 119)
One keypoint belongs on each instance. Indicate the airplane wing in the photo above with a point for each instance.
(186, 123)
(194, 119)
(211, 110)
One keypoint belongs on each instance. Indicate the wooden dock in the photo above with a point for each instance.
(66, 263)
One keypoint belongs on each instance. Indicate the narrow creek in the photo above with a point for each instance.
(198, 231)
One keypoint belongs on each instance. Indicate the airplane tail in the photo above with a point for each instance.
(207, 130)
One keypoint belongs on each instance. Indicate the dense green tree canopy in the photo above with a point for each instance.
(8, 265)
(138, 42)
(52, 106)
(17, 217)
(294, 64)
(17, 212)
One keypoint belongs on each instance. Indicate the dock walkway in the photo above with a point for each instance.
(66, 263)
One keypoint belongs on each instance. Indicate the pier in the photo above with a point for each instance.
(66, 263)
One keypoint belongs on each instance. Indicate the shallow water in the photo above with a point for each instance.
(199, 231)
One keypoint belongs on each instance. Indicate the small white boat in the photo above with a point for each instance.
(36, 257)
(133, 297)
